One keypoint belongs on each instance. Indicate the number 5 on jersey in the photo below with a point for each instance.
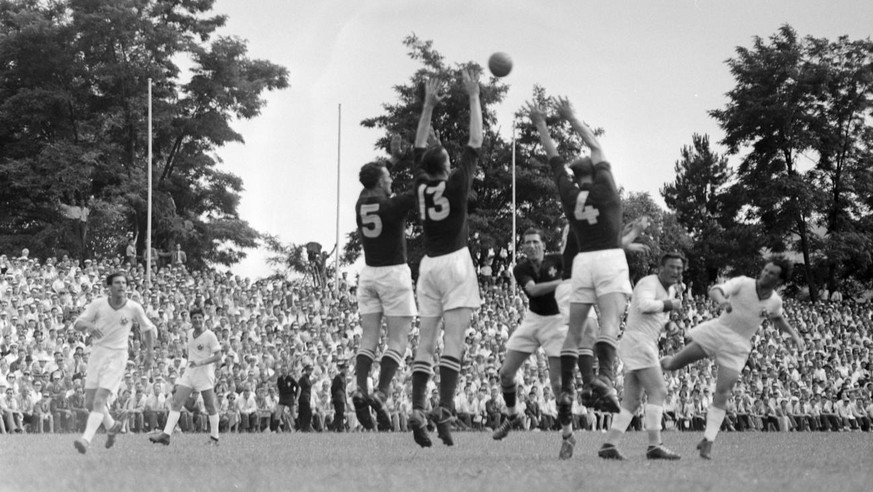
(372, 223)
(439, 205)
(583, 211)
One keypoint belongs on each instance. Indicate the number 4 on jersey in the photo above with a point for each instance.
(583, 211)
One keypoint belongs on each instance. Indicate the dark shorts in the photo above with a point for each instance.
(288, 401)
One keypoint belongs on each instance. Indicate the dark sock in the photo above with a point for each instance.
(568, 366)
(363, 363)
(509, 397)
(449, 369)
(586, 366)
(389, 368)
(606, 356)
(419, 389)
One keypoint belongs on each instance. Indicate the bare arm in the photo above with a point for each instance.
(717, 295)
(565, 110)
(534, 289)
(216, 357)
(783, 325)
(432, 97)
(471, 87)
(538, 118)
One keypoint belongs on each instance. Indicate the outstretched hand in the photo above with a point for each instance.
(564, 108)
(535, 112)
(470, 80)
(432, 89)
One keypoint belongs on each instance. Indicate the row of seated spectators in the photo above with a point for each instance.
(268, 327)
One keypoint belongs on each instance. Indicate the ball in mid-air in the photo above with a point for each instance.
(500, 64)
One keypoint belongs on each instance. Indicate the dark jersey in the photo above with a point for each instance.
(442, 205)
(305, 390)
(382, 226)
(287, 386)
(550, 269)
(593, 209)
(571, 249)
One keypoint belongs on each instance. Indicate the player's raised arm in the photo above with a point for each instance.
(631, 232)
(471, 86)
(565, 110)
(779, 321)
(538, 117)
(432, 97)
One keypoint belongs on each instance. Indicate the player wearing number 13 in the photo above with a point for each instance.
(384, 287)
(447, 287)
(592, 205)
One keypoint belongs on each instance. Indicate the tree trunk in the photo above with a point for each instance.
(804, 248)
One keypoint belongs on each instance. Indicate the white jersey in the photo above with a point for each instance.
(202, 347)
(115, 324)
(747, 311)
(646, 315)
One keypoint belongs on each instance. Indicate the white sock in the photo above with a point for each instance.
(172, 420)
(213, 425)
(714, 418)
(94, 421)
(653, 423)
(621, 421)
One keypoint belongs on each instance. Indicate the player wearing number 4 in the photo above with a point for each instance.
(745, 304)
(203, 352)
(592, 206)
(447, 287)
(654, 298)
(384, 287)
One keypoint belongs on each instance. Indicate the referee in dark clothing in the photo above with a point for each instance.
(304, 412)
(338, 395)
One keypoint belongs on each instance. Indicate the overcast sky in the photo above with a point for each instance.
(646, 72)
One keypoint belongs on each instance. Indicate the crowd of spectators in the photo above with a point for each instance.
(276, 327)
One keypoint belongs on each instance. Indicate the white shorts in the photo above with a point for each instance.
(562, 297)
(637, 351)
(537, 331)
(447, 282)
(386, 290)
(105, 369)
(721, 344)
(198, 378)
(597, 273)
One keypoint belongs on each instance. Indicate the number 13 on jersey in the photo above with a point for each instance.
(431, 202)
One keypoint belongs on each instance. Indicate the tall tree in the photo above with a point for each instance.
(73, 86)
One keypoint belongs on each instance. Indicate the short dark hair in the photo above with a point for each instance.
(582, 166)
(673, 255)
(786, 267)
(371, 173)
(531, 231)
(433, 160)
(111, 277)
(195, 311)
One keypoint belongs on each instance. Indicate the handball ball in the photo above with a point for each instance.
(500, 64)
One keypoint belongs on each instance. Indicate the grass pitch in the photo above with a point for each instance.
(524, 461)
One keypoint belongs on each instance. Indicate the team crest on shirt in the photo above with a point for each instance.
(124, 321)
(764, 313)
(553, 272)
(200, 347)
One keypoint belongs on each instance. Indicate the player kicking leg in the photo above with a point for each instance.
(745, 303)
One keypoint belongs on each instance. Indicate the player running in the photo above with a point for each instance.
(384, 287)
(543, 325)
(592, 206)
(108, 321)
(203, 352)
(654, 298)
(447, 286)
(745, 304)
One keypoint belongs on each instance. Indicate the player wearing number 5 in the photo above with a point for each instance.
(384, 287)
(591, 203)
(447, 287)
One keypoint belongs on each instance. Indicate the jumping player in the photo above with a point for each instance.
(203, 352)
(447, 286)
(745, 303)
(654, 298)
(543, 326)
(384, 288)
(592, 206)
(108, 321)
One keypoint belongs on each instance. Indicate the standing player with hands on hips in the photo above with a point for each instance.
(203, 352)
(447, 287)
(108, 321)
(591, 203)
(745, 303)
(385, 285)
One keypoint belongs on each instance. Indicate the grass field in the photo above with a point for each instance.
(524, 461)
